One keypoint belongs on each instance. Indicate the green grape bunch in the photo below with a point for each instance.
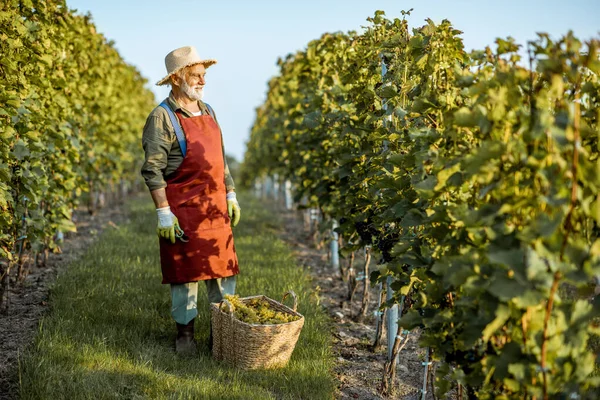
(258, 311)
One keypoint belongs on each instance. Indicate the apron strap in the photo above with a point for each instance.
(210, 111)
(176, 126)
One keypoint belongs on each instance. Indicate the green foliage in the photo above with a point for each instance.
(71, 111)
(476, 179)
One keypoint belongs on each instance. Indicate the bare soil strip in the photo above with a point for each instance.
(359, 369)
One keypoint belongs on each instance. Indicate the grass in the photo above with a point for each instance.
(109, 334)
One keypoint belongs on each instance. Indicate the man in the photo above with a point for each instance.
(187, 174)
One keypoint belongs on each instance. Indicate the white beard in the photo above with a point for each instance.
(193, 92)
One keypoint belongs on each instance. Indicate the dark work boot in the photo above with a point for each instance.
(185, 343)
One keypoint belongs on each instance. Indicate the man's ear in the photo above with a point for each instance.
(175, 80)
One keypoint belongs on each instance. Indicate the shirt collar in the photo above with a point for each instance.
(176, 107)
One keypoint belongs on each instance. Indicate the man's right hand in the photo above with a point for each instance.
(167, 223)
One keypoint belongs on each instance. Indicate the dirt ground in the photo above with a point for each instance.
(359, 370)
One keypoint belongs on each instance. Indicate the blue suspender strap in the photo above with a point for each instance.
(210, 111)
(176, 126)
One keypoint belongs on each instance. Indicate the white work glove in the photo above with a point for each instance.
(168, 224)
(233, 208)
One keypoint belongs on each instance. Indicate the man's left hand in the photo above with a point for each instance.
(233, 208)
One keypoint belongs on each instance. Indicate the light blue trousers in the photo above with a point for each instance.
(184, 297)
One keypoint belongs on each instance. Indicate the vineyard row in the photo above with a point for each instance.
(475, 178)
(71, 111)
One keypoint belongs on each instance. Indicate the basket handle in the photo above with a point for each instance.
(294, 297)
(229, 306)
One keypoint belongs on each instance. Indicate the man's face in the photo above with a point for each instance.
(195, 75)
(193, 84)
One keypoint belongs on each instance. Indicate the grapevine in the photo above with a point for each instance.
(474, 178)
(71, 113)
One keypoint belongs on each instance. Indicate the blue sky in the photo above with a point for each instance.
(247, 37)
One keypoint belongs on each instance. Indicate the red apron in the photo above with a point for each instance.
(197, 196)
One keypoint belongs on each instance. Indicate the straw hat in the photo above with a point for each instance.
(180, 58)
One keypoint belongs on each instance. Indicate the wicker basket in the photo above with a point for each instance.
(251, 346)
